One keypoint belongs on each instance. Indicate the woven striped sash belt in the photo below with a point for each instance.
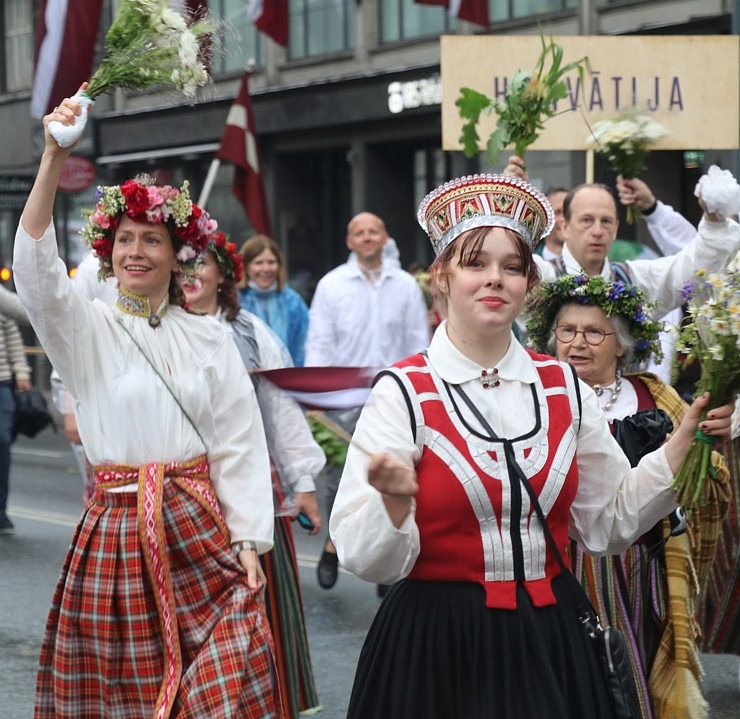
(194, 478)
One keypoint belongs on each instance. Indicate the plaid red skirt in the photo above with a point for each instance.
(152, 615)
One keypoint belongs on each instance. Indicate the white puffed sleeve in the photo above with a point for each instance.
(368, 544)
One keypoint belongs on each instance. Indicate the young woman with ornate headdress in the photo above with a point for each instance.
(435, 494)
(158, 611)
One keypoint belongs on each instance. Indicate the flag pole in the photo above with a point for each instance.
(205, 193)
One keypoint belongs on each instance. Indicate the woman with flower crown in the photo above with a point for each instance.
(456, 455)
(158, 611)
(602, 329)
(296, 457)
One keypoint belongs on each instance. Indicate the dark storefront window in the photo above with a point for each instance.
(240, 42)
(320, 27)
(17, 39)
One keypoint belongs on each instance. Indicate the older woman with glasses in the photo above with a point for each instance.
(603, 329)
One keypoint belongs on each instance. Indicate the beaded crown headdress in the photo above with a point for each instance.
(485, 201)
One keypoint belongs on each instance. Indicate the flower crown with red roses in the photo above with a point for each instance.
(229, 260)
(143, 201)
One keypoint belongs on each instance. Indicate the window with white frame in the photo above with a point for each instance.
(17, 35)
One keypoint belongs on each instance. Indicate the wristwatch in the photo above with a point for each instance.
(241, 546)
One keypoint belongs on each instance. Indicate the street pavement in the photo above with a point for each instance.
(45, 505)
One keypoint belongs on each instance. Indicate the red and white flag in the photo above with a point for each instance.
(239, 146)
(271, 17)
(324, 387)
(475, 11)
(66, 32)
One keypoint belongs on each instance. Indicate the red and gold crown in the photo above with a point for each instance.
(485, 201)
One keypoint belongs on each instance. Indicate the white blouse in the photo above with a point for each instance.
(613, 506)
(125, 413)
(297, 457)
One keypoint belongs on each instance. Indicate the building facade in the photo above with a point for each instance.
(348, 117)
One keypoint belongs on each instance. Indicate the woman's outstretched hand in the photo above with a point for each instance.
(718, 424)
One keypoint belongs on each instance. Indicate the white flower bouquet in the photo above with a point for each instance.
(711, 337)
(626, 141)
(148, 44)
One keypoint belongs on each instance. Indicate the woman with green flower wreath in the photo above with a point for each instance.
(296, 458)
(602, 329)
(158, 611)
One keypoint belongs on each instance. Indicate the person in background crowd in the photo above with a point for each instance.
(15, 376)
(590, 227)
(452, 451)
(163, 571)
(265, 293)
(671, 232)
(296, 458)
(552, 246)
(648, 591)
(365, 313)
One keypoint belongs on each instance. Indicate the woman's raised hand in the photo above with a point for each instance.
(516, 168)
(63, 126)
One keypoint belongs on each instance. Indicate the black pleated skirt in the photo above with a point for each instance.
(435, 651)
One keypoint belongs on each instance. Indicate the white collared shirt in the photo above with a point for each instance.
(613, 506)
(355, 323)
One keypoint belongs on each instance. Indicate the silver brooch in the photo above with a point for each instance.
(489, 378)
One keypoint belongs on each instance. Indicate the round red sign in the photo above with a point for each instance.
(78, 173)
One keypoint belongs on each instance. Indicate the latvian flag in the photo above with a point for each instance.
(324, 388)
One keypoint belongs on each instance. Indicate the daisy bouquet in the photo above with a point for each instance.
(626, 141)
(711, 337)
(148, 44)
(529, 102)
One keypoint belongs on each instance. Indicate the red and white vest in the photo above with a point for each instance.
(475, 519)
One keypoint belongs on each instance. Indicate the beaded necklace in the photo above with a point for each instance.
(613, 393)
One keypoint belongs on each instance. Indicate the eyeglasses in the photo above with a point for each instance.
(593, 335)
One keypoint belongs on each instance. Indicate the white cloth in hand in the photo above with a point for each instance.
(67, 135)
(720, 191)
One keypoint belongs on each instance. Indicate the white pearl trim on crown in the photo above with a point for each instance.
(488, 177)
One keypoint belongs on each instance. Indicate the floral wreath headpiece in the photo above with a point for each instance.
(485, 201)
(615, 298)
(228, 258)
(143, 201)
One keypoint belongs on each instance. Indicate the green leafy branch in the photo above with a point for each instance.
(529, 102)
